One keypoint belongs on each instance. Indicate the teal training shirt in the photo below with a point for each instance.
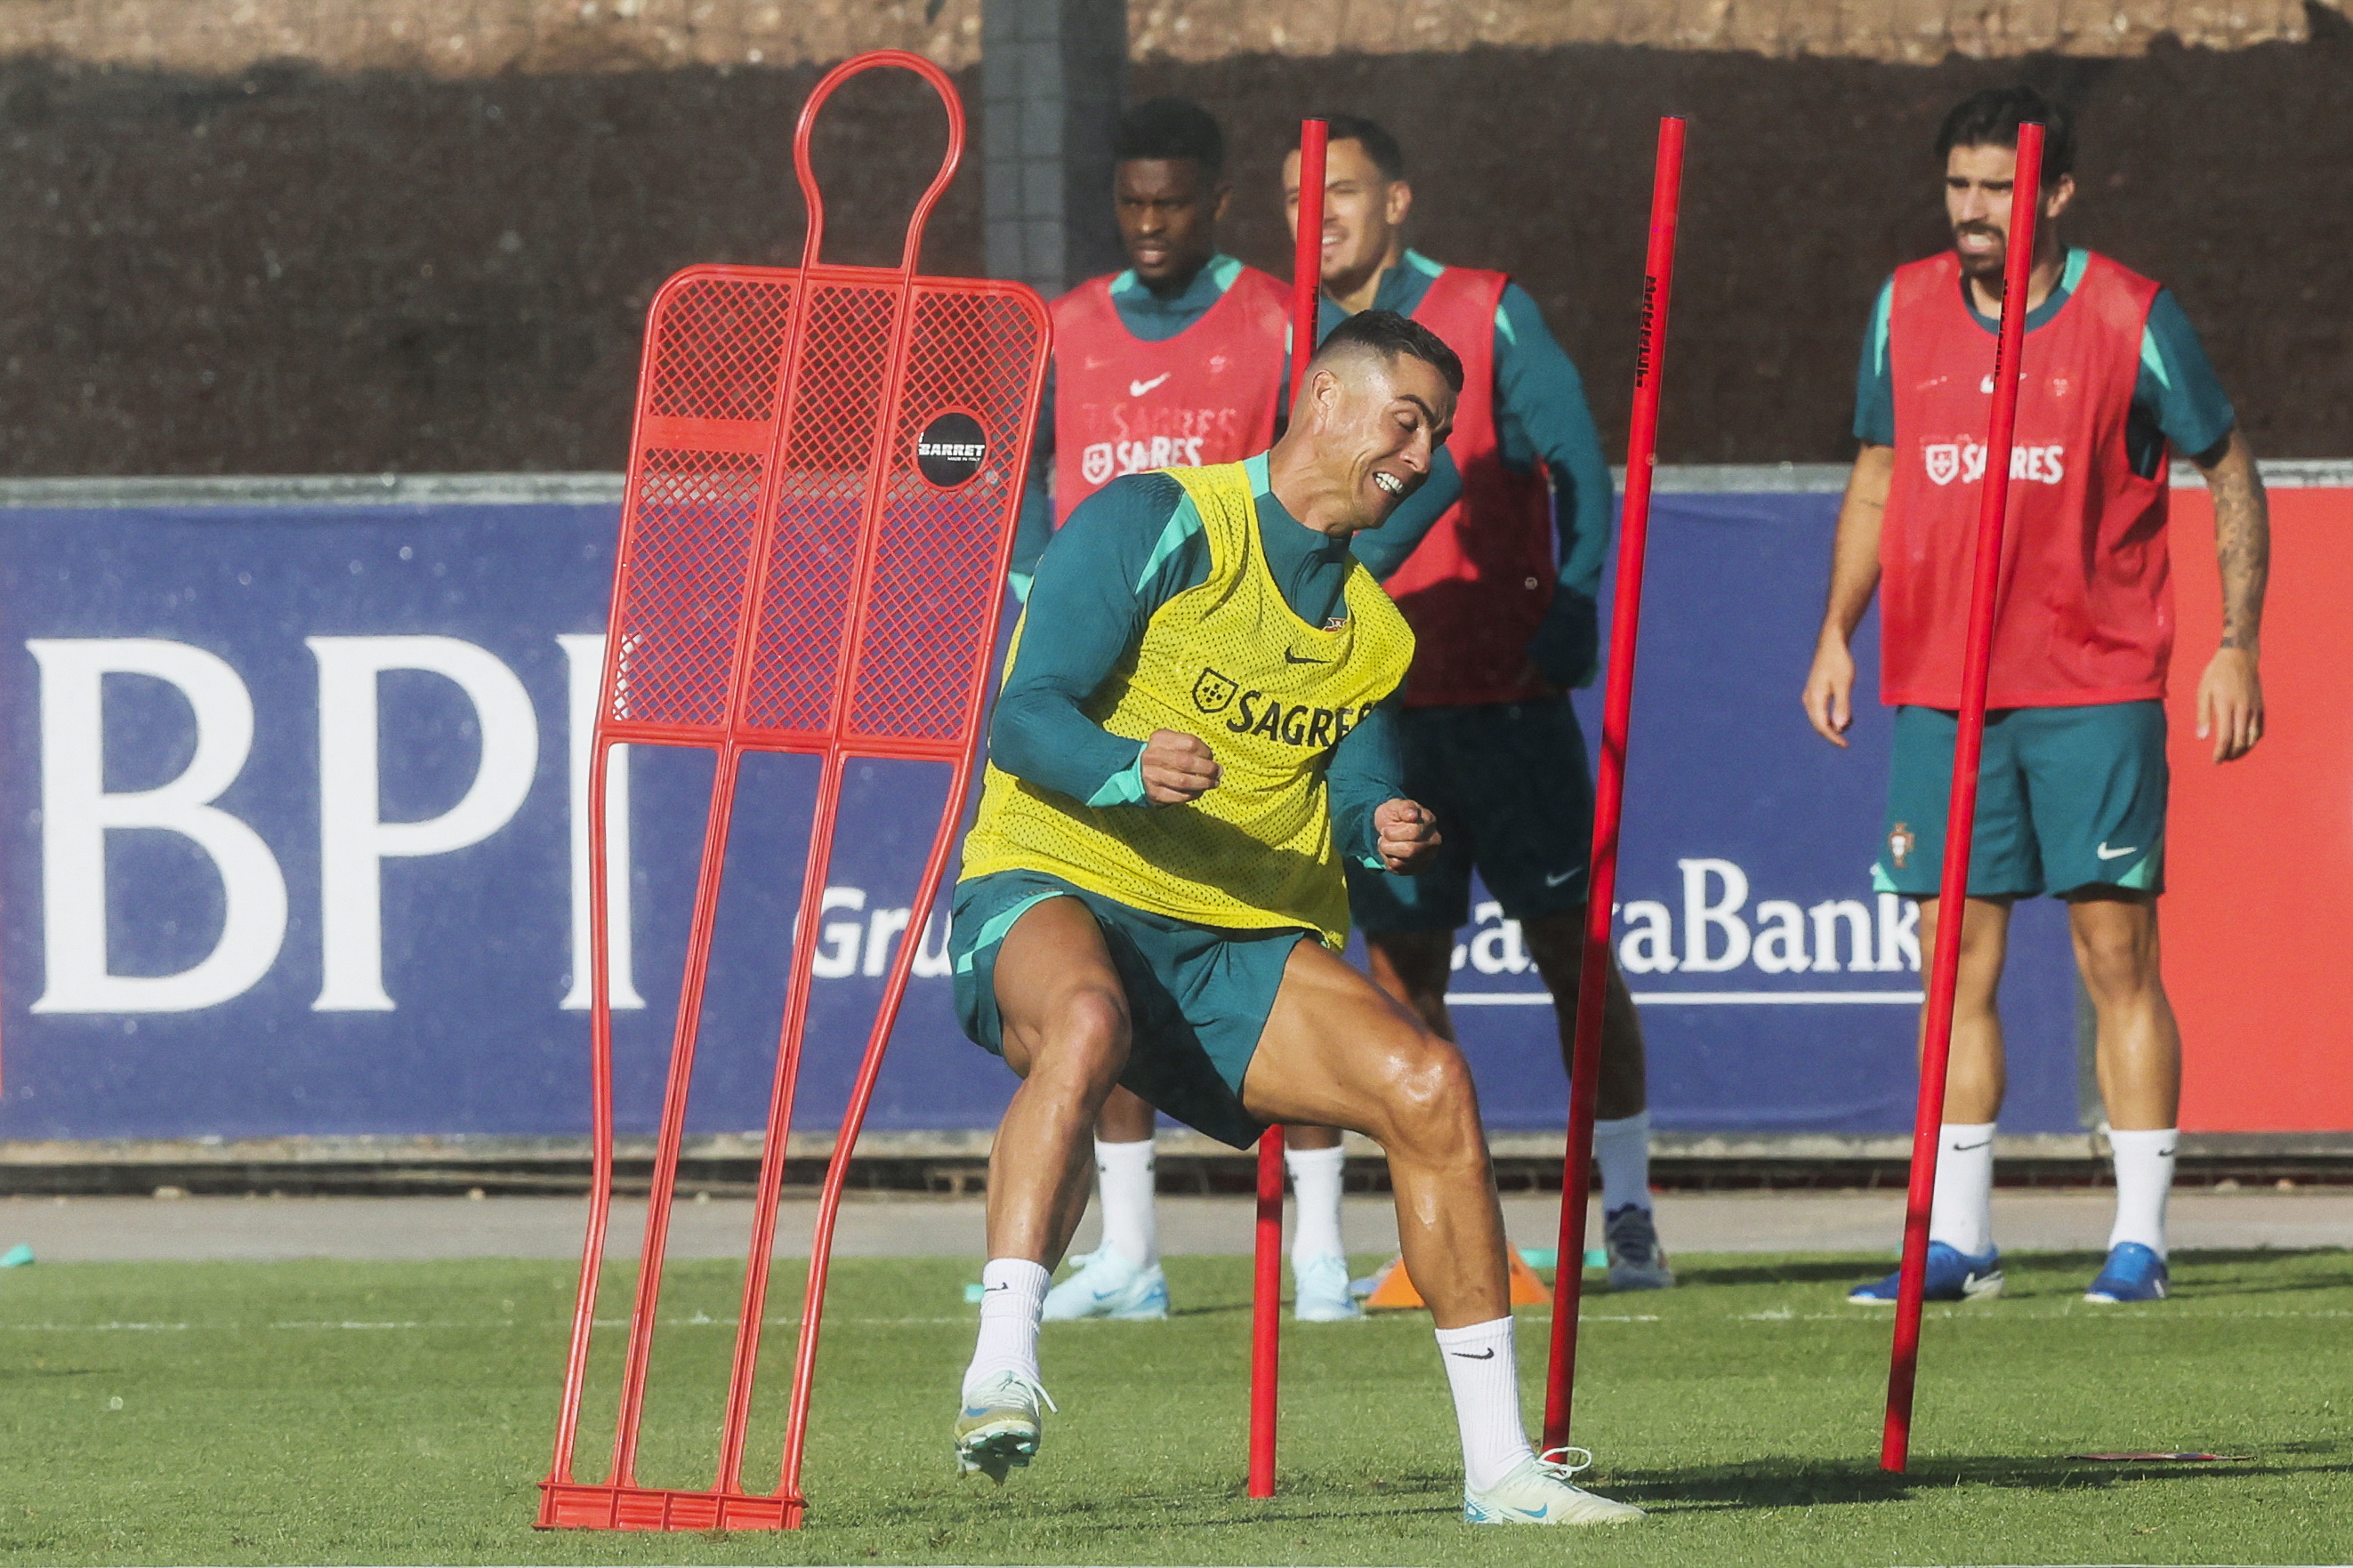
(1127, 550)
(1541, 417)
(2176, 398)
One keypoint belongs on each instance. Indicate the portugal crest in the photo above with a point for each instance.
(1212, 692)
(1944, 459)
(1899, 845)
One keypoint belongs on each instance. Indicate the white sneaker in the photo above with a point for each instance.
(1320, 1291)
(1108, 1286)
(1538, 1492)
(998, 1426)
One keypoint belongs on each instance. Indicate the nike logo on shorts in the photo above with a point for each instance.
(1487, 1354)
(2105, 853)
(1557, 880)
(1138, 388)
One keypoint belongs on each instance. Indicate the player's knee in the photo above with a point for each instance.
(2116, 959)
(1430, 1097)
(1087, 1037)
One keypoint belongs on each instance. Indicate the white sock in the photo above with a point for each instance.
(1484, 1374)
(1962, 1217)
(2143, 1181)
(1012, 1298)
(1622, 1147)
(1123, 1181)
(1315, 1182)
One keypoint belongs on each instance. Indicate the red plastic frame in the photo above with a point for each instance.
(1610, 791)
(1961, 811)
(881, 695)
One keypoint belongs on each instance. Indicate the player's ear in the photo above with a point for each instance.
(2058, 197)
(1400, 202)
(1218, 199)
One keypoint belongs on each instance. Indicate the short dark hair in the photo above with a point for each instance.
(1378, 144)
(1991, 119)
(1170, 128)
(1389, 334)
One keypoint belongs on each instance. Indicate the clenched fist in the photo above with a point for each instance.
(1177, 768)
(1407, 835)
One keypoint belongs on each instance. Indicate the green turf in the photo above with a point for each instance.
(401, 1413)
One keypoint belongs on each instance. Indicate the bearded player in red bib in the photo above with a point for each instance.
(1176, 362)
(2072, 789)
(1496, 564)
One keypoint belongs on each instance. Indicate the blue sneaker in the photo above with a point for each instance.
(1953, 1276)
(1108, 1286)
(2133, 1273)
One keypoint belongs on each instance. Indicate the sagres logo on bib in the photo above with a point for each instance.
(1965, 461)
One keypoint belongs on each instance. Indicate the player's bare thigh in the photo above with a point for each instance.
(1340, 1052)
(1057, 989)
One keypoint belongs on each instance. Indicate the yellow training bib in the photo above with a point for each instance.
(1228, 661)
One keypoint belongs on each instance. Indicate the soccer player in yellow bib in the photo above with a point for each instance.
(1193, 730)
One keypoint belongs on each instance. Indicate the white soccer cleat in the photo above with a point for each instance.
(998, 1427)
(1538, 1491)
(1108, 1286)
(1320, 1291)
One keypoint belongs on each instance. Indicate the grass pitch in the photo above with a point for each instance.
(401, 1413)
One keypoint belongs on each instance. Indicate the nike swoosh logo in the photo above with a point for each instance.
(1487, 1354)
(993, 1289)
(1965, 1148)
(2105, 853)
(1557, 881)
(1290, 657)
(1138, 388)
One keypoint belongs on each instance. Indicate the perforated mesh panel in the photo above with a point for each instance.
(717, 347)
(931, 588)
(693, 531)
(689, 553)
(829, 454)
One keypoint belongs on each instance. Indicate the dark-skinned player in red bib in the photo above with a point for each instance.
(1176, 362)
(1496, 564)
(2071, 792)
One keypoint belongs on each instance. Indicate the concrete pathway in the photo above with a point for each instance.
(63, 1230)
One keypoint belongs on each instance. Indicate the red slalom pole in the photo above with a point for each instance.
(1266, 1283)
(1610, 791)
(1961, 816)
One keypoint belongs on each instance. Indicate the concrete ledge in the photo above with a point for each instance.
(605, 489)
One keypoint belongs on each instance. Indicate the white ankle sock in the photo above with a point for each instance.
(1962, 1217)
(1315, 1182)
(1123, 1183)
(2143, 1181)
(1484, 1374)
(1622, 1147)
(1012, 1298)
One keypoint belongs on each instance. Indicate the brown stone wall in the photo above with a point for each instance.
(296, 269)
(480, 37)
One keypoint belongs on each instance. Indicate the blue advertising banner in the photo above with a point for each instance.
(295, 800)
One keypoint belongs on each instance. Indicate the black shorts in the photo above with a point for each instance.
(1514, 794)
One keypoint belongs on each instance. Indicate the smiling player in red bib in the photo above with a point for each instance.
(2072, 789)
(1176, 362)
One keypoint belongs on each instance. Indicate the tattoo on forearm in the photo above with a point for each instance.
(2243, 544)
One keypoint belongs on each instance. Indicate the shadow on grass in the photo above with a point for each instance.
(1793, 1483)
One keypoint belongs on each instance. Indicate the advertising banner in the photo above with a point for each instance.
(294, 798)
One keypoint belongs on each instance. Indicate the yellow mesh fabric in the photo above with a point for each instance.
(1228, 661)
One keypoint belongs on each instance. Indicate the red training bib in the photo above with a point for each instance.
(2085, 612)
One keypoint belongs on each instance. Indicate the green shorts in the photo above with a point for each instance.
(1198, 997)
(2068, 798)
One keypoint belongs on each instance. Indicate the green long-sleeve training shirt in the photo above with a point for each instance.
(1126, 550)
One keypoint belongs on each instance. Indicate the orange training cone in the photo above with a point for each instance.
(1394, 1291)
